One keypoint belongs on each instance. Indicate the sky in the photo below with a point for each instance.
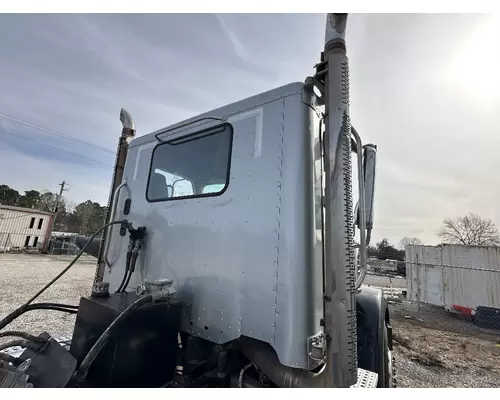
(425, 88)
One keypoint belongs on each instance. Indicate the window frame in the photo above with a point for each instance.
(213, 130)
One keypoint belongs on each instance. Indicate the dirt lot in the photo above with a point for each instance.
(22, 275)
(432, 348)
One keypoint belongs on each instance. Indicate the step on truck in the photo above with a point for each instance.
(233, 254)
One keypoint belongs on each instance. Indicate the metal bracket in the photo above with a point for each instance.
(312, 82)
(316, 350)
(161, 289)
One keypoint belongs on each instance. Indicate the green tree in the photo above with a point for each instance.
(30, 199)
(91, 216)
(84, 218)
(47, 201)
(385, 250)
(9, 196)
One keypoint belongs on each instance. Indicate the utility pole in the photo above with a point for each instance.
(56, 209)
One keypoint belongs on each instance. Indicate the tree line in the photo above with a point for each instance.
(83, 218)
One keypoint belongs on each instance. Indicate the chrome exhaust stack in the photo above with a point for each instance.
(127, 122)
(128, 133)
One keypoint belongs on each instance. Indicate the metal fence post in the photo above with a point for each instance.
(419, 288)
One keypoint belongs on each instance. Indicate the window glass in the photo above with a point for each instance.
(194, 166)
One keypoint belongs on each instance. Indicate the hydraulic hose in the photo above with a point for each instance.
(74, 259)
(131, 271)
(57, 305)
(23, 335)
(81, 373)
(37, 306)
(134, 247)
(20, 310)
(125, 274)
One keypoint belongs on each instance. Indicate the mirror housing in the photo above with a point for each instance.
(369, 167)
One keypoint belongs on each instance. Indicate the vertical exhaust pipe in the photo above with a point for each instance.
(128, 132)
(340, 274)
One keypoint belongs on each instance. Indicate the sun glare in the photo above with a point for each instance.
(475, 67)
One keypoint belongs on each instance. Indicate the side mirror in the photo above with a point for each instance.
(369, 167)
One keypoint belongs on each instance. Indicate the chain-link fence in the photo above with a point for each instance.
(57, 245)
(394, 286)
(63, 246)
(471, 292)
(446, 324)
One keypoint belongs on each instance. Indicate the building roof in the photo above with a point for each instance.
(24, 209)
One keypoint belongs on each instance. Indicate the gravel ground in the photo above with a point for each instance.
(435, 348)
(22, 275)
(432, 348)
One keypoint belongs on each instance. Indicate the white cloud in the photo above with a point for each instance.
(237, 45)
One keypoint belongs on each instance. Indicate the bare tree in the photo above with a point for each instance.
(70, 206)
(470, 230)
(409, 241)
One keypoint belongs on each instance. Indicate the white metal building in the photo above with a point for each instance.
(454, 276)
(23, 227)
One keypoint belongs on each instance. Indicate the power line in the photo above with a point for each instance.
(24, 122)
(54, 147)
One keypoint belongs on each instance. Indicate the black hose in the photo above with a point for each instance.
(24, 335)
(41, 306)
(81, 373)
(127, 267)
(20, 310)
(17, 313)
(56, 305)
(37, 306)
(133, 262)
(73, 261)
